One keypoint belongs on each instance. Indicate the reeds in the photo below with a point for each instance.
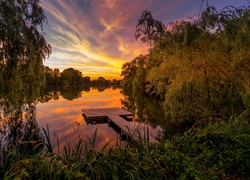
(215, 150)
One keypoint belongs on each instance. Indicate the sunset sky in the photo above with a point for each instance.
(97, 36)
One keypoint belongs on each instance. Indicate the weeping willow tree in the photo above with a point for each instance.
(23, 49)
(200, 69)
(148, 30)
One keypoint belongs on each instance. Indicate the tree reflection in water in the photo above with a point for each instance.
(18, 125)
(149, 111)
(19, 131)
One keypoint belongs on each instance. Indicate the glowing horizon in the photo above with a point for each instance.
(97, 37)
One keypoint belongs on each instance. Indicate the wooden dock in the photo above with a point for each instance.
(118, 116)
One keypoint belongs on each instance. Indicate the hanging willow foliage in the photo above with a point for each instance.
(200, 69)
(23, 49)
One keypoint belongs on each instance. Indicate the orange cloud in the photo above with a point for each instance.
(86, 43)
(97, 37)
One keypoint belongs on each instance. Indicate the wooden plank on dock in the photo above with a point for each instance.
(115, 115)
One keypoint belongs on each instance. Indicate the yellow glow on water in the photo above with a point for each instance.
(65, 118)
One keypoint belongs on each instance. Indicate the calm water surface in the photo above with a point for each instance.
(65, 120)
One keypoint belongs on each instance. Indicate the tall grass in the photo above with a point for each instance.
(213, 150)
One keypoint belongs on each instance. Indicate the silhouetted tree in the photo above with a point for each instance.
(149, 29)
(23, 48)
(57, 76)
(86, 81)
(49, 76)
(71, 77)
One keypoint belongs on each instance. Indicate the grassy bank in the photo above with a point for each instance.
(213, 150)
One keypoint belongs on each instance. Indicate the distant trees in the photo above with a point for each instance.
(74, 78)
(116, 82)
(49, 75)
(128, 73)
(57, 75)
(134, 74)
(86, 81)
(71, 77)
(101, 82)
(52, 76)
(199, 69)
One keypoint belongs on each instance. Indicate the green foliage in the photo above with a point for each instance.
(21, 41)
(23, 49)
(148, 29)
(199, 69)
(74, 79)
(22, 139)
(134, 74)
(71, 77)
(218, 149)
(86, 81)
(209, 151)
(52, 76)
(101, 82)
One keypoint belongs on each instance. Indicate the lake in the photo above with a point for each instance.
(65, 120)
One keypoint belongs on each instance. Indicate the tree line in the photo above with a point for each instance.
(198, 69)
(71, 77)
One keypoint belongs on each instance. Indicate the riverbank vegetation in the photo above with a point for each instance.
(198, 69)
(215, 151)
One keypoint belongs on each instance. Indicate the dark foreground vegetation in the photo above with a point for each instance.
(215, 150)
(199, 70)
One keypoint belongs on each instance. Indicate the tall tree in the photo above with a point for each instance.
(56, 76)
(21, 36)
(49, 76)
(148, 29)
(71, 77)
(86, 81)
(200, 69)
(23, 48)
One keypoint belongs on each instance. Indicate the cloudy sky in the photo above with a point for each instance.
(97, 36)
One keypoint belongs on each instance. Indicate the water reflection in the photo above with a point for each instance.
(61, 110)
(19, 129)
(149, 111)
(65, 119)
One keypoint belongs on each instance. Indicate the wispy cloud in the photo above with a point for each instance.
(97, 36)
